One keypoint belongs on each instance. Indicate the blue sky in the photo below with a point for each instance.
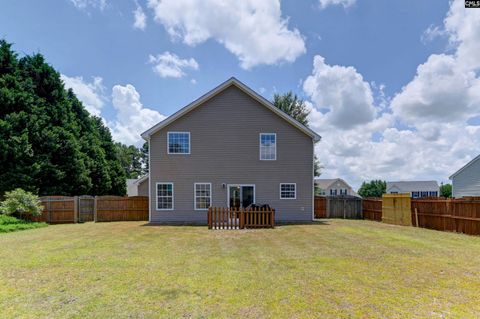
(370, 100)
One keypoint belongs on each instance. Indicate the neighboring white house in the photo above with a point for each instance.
(466, 181)
(416, 189)
(333, 187)
(137, 187)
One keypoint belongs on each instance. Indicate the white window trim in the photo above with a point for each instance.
(156, 196)
(195, 196)
(280, 189)
(189, 143)
(260, 146)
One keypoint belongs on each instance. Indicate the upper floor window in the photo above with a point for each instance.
(178, 142)
(268, 146)
(333, 192)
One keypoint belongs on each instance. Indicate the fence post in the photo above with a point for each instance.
(95, 209)
(242, 219)
(209, 218)
(272, 218)
(416, 217)
(75, 209)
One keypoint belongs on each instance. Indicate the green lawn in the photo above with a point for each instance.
(335, 269)
(10, 224)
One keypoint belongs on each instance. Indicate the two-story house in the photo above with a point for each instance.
(333, 187)
(230, 148)
(416, 189)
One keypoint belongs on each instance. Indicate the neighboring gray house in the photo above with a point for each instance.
(137, 187)
(231, 147)
(416, 189)
(333, 187)
(466, 181)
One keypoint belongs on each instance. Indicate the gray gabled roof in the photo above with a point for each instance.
(464, 167)
(324, 183)
(141, 179)
(413, 185)
(232, 81)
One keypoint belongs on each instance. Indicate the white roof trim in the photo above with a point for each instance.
(334, 180)
(464, 167)
(141, 179)
(232, 81)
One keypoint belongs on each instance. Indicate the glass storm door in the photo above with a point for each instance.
(240, 196)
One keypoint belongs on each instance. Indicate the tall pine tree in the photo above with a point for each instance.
(49, 143)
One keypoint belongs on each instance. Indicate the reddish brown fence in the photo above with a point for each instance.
(65, 209)
(57, 210)
(234, 218)
(372, 208)
(457, 215)
(115, 208)
(320, 205)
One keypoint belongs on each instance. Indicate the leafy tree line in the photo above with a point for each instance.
(374, 188)
(133, 160)
(49, 143)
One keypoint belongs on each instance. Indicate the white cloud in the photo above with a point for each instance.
(170, 65)
(422, 133)
(132, 118)
(254, 31)
(441, 90)
(446, 86)
(84, 4)
(90, 93)
(344, 3)
(431, 33)
(140, 18)
(342, 92)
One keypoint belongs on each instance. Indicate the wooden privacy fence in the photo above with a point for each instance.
(57, 210)
(320, 204)
(115, 208)
(338, 207)
(66, 209)
(460, 215)
(372, 209)
(396, 209)
(235, 218)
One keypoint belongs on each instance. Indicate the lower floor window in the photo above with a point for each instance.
(164, 196)
(203, 195)
(288, 191)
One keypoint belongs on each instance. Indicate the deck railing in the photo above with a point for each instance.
(239, 218)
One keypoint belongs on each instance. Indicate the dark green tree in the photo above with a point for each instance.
(374, 188)
(131, 159)
(291, 104)
(446, 190)
(49, 143)
(294, 106)
(145, 164)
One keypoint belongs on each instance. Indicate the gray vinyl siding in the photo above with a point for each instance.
(224, 135)
(467, 182)
(143, 188)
